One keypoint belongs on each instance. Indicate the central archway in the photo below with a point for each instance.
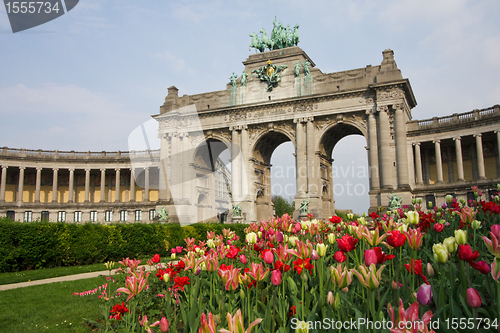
(330, 137)
(265, 145)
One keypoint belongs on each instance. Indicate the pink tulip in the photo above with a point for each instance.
(473, 298)
(279, 237)
(495, 229)
(370, 257)
(314, 255)
(243, 259)
(276, 277)
(268, 257)
(424, 294)
(164, 325)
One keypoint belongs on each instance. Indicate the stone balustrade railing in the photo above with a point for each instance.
(56, 154)
(455, 119)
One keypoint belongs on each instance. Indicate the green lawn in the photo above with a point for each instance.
(46, 273)
(50, 307)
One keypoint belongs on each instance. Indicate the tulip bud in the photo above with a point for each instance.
(424, 294)
(370, 257)
(276, 277)
(259, 234)
(197, 271)
(449, 198)
(440, 253)
(211, 243)
(413, 201)
(345, 290)
(476, 225)
(336, 305)
(331, 238)
(314, 255)
(461, 237)
(268, 257)
(495, 229)
(279, 237)
(350, 216)
(362, 220)
(330, 299)
(251, 238)
(473, 298)
(164, 325)
(166, 277)
(243, 259)
(495, 269)
(292, 240)
(321, 249)
(430, 270)
(450, 244)
(172, 256)
(412, 217)
(396, 285)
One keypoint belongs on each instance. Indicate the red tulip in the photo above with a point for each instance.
(473, 298)
(465, 253)
(347, 243)
(481, 266)
(339, 256)
(156, 258)
(438, 227)
(396, 238)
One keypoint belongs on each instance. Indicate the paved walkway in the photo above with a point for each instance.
(58, 279)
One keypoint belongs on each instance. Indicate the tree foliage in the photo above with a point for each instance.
(282, 205)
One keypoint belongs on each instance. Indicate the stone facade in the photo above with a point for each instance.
(312, 109)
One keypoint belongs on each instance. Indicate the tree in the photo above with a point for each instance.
(282, 205)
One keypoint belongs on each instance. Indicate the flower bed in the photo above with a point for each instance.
(405, 271)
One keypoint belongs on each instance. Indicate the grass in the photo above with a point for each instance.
(46, 273)
(50, 307)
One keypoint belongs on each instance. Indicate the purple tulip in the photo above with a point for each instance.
(473, 298)
(424, 294)
(279, 237)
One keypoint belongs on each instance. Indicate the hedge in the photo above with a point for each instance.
(25, 246)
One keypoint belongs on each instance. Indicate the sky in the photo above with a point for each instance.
(85, 80)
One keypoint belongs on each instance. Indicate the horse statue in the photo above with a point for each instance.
(295, 35)
(269, 43)
(304, 207)
(236, 211)
(256, 43)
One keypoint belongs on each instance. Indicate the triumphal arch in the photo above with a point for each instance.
(282, 96)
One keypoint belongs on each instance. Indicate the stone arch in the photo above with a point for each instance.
(265, 144)
(328, 139)
(207, 170)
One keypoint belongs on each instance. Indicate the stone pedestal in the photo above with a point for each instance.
(237, 219)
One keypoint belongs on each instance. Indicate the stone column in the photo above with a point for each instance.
(146, 184)
(312, 169)
(132, 184)
(87, 185)
(54, 184)
(244, 163)
(20, 186)
(37, 184)
(186, 169)
(439, 161)
(498, 152)
(117, 186)
(103, 185)
(401, 147)
(169, 168)
(451, 173)
(301, 170)
(460, 162)
(418, 163)
(175, 180)
(385, 149)
(2, 184)
(373, 149)
(71, 186)
(235, 165)
(480, 156)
